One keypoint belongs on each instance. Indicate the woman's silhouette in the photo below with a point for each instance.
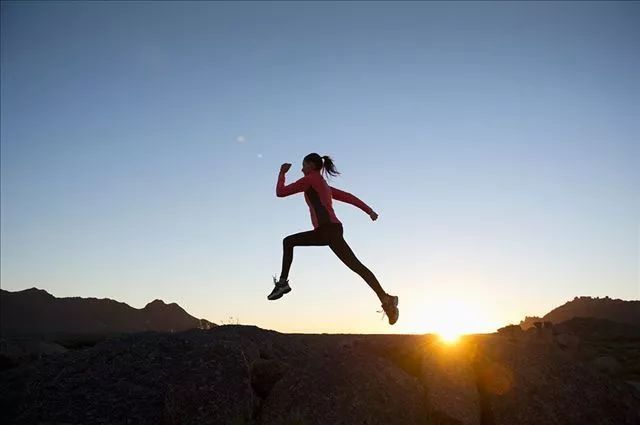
(327, 228)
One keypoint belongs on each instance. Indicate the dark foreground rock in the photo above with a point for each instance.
(246, 375)
(530, 381)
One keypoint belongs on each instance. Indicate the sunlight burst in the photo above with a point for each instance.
(449, 337)
(454, 317)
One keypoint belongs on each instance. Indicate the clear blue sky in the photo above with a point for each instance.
(499, 142)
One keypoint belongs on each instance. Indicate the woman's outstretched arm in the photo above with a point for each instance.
(343, 196)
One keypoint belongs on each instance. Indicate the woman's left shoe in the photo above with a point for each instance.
(281, 287)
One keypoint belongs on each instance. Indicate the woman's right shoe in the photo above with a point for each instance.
(390, 309)
(280, 288)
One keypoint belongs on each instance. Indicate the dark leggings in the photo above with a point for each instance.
(328, 234)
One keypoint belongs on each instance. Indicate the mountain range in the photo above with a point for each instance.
(36, 312)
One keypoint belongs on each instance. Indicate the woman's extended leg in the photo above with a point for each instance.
(344, 253)
(308, 238)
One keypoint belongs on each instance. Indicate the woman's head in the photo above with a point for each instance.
(324, 164)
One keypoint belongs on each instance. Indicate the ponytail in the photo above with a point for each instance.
(322, 163)
(329, 167)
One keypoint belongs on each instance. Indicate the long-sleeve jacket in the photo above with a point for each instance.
(318, 195)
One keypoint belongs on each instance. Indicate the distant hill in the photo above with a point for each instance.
(36, 312)
(615, 310)
(592, 329)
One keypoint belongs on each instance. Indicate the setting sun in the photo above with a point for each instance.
(452, 318)
(449, 337)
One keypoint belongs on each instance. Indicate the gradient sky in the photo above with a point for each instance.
(499, 142)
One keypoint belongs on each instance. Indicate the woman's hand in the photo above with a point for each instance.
(373, 215)
(285, 167)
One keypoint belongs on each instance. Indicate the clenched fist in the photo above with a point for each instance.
(285, 167)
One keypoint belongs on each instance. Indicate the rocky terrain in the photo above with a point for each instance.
(246, 375)
(84, 360)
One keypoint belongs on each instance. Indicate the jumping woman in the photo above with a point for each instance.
(327, 229)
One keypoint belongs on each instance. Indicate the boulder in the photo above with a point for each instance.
(339, 384)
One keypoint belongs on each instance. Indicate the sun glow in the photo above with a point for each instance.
(449, 337)
(454, 317)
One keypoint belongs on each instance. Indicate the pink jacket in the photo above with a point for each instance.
(318, 195)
